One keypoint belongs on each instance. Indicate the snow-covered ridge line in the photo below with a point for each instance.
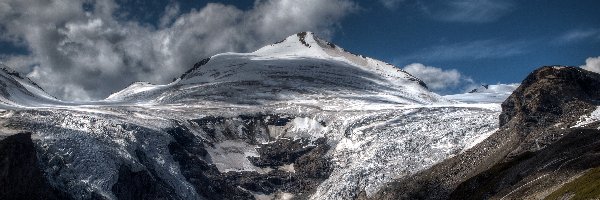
(486, 94)
(17, 90)
(136, 88)
(300, 67)
(307, 44)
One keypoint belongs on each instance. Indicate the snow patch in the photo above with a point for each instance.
(274, 196)
(232, 155)
(287, 168)
(305, 127)
(486, 94)
(588, 119)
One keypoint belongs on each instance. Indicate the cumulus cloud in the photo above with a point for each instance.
(170, 14)
(437, 79)
(592, 64)
(81, 50)
(474, 11)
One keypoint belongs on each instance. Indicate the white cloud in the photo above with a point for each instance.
(437, 79)
(170, 14)
(475, 11)
(391, 4)
(479, 49)
(25, 63)
(580, 35)
(592, 64)
(89, 53)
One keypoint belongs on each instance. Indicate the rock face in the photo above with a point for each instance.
(549, 98)
(550, 93)
(142, 184)
(537, 149)
(307, 166)
(20, 175)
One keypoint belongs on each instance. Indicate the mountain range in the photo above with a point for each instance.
(303, 119)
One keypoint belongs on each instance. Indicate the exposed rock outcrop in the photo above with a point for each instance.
(294, 166)
(142, 184)
(20, 175)
(552, 95)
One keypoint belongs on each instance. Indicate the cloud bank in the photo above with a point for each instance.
(592, 64)
(437, 79)
(80, 50)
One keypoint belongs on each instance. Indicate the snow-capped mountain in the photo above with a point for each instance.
(485, 94)
(301, 118)
(300, 69)
(17, 90)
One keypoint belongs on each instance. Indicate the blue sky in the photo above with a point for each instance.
(82, 50)
(502, 42)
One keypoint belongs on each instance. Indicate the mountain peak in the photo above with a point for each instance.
(300, 37)
(300, 66)
(553, 92)
(303, 44)
(309, 45)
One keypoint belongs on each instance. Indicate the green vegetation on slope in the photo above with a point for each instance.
(489, 182)
(584, 187)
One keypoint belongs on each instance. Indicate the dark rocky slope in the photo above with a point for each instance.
(533, 154)
(308, 158)
(20, 176)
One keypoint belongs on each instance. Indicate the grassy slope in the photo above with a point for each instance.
(584, 187)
